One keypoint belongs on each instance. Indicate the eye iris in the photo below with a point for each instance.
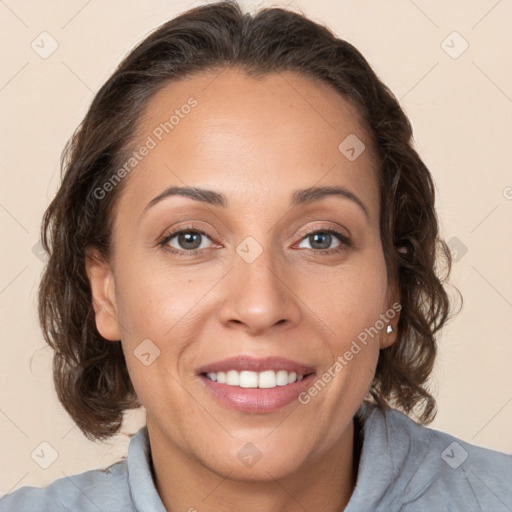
(326, 240)
(192, 240)
(184, 239)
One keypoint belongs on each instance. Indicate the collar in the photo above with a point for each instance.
(140, 478)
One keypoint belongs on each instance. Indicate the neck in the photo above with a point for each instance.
(324, 483)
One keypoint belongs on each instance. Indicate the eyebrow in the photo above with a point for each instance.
(298, 198)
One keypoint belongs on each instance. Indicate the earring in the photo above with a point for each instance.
(389, 329)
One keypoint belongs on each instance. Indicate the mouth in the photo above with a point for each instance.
(247, 379)
(255, 385)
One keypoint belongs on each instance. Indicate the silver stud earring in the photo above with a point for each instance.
(389, 329)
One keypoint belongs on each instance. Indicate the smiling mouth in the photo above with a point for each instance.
(249, 379)
(256, 385)
(258, 392)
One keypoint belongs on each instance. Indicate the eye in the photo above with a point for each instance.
(189, 241)
(185, 241)
(321, 240)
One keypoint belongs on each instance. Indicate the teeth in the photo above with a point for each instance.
(267, 379)
(248, 379)
(232, 378)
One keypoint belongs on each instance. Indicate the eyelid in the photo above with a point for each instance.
(190, 226)
(324, 227)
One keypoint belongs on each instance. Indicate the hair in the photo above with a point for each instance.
(90, 372)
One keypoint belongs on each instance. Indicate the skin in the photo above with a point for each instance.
(256, 141)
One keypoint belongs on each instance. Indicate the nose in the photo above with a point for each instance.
(259, 297)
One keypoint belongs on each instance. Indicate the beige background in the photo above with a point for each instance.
(461, 110)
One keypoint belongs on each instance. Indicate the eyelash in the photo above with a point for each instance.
(343, 239)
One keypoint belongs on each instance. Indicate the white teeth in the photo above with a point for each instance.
(247, 379)
(232, 378)
(282, 378)
(267, 379)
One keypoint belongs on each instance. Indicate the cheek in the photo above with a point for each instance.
(156, 309)
(354, 298)
(149, 312)
(353, 305)
(150, 300)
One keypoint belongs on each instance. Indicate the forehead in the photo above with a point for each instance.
(252, 138)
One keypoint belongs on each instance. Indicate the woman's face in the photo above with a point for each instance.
(280, 272)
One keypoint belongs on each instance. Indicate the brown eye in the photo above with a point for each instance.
(188, 240)
(184, 241)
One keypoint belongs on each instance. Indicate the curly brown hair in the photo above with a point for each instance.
(90, 373)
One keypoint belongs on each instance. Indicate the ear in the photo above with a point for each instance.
(102, 283)
(392, 315)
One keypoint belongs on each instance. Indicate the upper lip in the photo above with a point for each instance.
(256, 364)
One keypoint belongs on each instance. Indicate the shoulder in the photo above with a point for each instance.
(428, 468)
(100, 489)
(125, 486)
(452, 470)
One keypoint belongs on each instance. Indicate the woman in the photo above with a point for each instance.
(244, 243)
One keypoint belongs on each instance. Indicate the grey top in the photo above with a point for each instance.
(403, 467)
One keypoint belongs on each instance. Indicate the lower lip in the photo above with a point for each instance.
(257, 400)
